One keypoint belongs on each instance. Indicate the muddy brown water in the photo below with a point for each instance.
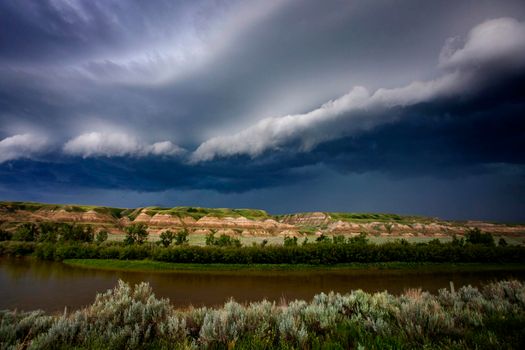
(27, 284)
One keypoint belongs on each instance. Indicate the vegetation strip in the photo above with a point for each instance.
(133, 318)
(159, 266)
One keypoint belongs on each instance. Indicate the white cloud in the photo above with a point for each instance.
(183, 51)
(114, 144)
(22, 146)
(499, 41)
(491, 43)
(163, 148)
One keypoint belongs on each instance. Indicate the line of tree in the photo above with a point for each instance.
(62, 241)
(54, 233)
(312, 253)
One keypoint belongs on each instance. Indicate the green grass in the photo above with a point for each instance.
(159, 266)
(197, 213)
(32, 206)
(368, 217)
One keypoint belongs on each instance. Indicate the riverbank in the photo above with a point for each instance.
(331, 252)
(159, 266)
(490, 317)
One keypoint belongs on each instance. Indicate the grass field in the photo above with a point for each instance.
(200, 240)
(159, 266)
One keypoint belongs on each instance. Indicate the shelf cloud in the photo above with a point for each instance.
(283, 105)
(492, 45)
(22, 146)
(99, 144)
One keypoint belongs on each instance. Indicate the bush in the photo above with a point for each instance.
(133, 318)
(475, 236)
(14, 248)
(182, 237)
(5, 235)
(136, 234)
(290, 241)
(102, 236)
(26, 233)
(76, 233)
(222, 241)
(166, 238)
(225, 249)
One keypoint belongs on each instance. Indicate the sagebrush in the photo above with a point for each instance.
(133, 318)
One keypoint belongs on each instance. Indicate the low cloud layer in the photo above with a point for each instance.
(228, 99)
(492, 45)
(22, 146)
(97, 144)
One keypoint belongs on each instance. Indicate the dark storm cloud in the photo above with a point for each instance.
(224, 97)
(189, 71)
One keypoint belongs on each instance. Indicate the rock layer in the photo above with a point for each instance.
(12, 215)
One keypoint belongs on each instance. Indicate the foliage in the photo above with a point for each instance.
(133, 318)
(476, 236)
(290, 241)
(228, 250)
(53, 232)
(76, 233)
(136, 234)
(5, 235)
(323, 239)
(102, 236)
(26, 233)
(182, 237)
(222, 241)
(166, 238)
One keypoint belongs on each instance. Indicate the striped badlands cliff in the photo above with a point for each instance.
(245, 222)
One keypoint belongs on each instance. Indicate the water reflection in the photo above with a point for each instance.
(28, 284)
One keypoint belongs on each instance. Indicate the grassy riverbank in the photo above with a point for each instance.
(160, 266)
(491, 317)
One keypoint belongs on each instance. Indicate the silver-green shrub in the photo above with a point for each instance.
(133, 318)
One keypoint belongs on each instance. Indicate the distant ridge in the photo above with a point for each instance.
(246, 222)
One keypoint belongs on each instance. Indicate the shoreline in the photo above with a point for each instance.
(168, 267)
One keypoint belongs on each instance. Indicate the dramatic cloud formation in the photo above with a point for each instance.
(21, 146)
(96, 144)
(224, 103)
(499, 42)
(490, 46)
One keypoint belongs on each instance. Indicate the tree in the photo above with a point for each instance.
(76, 233)
(339, 239)
(102, 236)
(166, 238)
(360, 239)
(476, 236)
(136, 233)
(502, 242)
(290, 241)
(5, 235)
(210, 238)
(26, 232)
(323, 239)
(222, 241)
(182, 237)
(48, 232)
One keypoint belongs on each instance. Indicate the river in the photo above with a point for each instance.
(28, 284)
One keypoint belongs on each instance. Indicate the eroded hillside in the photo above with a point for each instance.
(240, 222)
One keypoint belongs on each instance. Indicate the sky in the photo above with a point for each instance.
(359, 106)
